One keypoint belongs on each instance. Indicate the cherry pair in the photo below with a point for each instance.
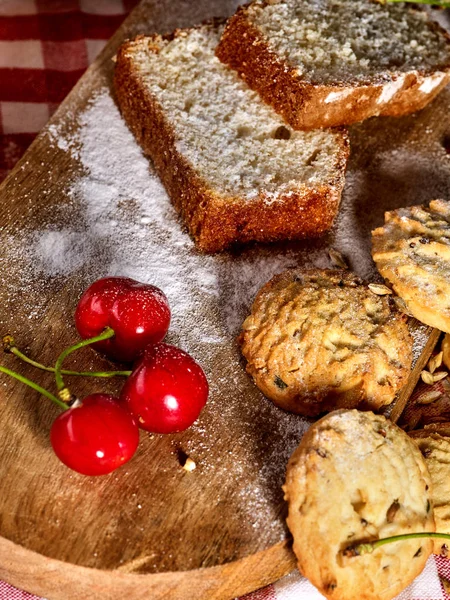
(164, 393)
(166, 389)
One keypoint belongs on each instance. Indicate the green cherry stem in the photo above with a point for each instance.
(369, 547)
(34, 386)
(10, 348)
(105, 335)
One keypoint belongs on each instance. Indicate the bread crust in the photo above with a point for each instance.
(317, 340)
(216, 222)
(307, 105)
(357, 477)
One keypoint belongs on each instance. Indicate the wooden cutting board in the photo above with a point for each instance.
(83, 203)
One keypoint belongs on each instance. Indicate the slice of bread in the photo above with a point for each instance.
(233, 170)
(323, 63)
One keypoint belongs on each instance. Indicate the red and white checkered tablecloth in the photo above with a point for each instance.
(45, 46)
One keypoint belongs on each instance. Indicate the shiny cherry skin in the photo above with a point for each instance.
(138, 313)
(166, 390)
(96, 437)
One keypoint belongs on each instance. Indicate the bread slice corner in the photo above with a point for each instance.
(326, 63)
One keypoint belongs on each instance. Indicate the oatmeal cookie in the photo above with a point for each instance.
(317, 340)
(412, 252)
(435, 448)
(357, 477)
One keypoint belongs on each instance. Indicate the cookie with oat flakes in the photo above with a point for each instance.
(317, 340)
(412, 252)
(357, 477)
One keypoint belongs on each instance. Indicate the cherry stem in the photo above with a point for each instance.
(34, 386)
(105, 335)
(369, 547)
(10, 348)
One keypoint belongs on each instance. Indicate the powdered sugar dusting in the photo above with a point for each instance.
(127, 218)
(118, 220)
(62, 142)
(128, 226)
(128, 213)
(61, 252)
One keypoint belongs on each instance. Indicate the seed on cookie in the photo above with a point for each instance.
(379, 289)
(337, 258)
(392, 511)
(401, 305)
(280, 383)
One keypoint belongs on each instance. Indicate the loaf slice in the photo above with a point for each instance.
(323, 63)
(233, 170)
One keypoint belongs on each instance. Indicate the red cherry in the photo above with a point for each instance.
(166, 390)
(96, 437)
(138, 313)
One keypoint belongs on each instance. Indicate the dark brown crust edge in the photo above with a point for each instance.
(303, 105)
(217, 222)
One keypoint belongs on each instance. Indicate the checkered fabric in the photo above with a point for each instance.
(45, 46)
(428, 586)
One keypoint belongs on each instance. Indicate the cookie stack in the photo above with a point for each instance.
(317, 340)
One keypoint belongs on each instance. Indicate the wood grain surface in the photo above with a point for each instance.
(151, 529)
